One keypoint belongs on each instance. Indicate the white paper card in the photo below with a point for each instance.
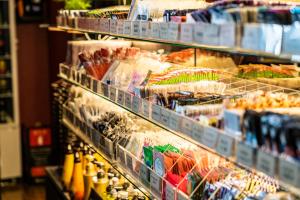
(163, 30)
(187, 32)
(227, 35)
(120, 27)
(225, 145)
(129, 162)
(170, 191)
(144, 29)
(136, 104)
(146, 108)
(122, 155)
(266, 163)
(113, 25)
(245, 154)
(211, 34)
(156, 112)
(104, 26)
(210, 137)
(154, 28)
(112, 93)
(127, 27)
(289, 171)
(197, 132)
(128, 97)
(135, 28)
(175, 121)
(173, 31)
(155, 182)
(121, 97)
(144, 174)
(187, 126)
(165, 117)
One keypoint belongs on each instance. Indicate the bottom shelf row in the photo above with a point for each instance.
(168, 167)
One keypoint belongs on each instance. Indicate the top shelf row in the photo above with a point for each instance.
(247, 40)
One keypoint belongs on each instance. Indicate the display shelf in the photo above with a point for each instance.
(213, 140)
(223, 49)
(91, 141)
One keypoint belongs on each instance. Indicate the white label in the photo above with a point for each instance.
(163, 30)
(129, 162)
(225, 145)
(128, 100)
(136, 104)
(186, 33)
(144, 174)
(95, 85)
(109, 146)
(112, 93)
(174, 121)
(99, 87)
(105, 89)
(165, 117)
(127, 27)
(245, 154)
(121, 96)
(210, 137)
(135, 31)
(182, 196)
(232, 122)
(266, 163)
(144, 29)
(154, 28)
(104, 25)
(211, 34)
(197, 132)
(187, 126)
(155, 182)
(146, 108)
(252, 36)
(170, 191)
(122, 155)
(199, 32)
(156, 112)
(227, 35)
(288, 172)
(113, 26)
(173, 31)
(120, 27)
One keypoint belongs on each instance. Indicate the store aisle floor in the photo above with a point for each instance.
(24, 192)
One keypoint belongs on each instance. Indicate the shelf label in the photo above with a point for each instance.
(104, 89)
(146, 108)
(122, 155)
(83, 79)
(266, 163)
(113, 25)
(129, 162)
(227, 35)
(144, 29)
(96, 136)
(187, 126)
(95, 85)
(199, 32)
(73, 74)
(156, 112)
(158, 163)
(210, 137)
(232, 122)
(225, 145)
(128, 100)
(136, 104)
(174, 121)
(104, 24)
(109, 146)
(163, 30)
(197, 132)
(102, 142)
(211, 34)
(170, 191)
(186, 33)
(154, 29)
(245, 154)
(88, 82)
(127, 27)
(288, 172)
(120, 27)
(121, 96)
(135, 28)
(173, 31)
(165, 116)
(155, 182)
(112, 93)
(182, 196)
(144, 174)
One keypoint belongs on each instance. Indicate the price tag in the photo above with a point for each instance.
(120, 27)
(121, 96)
(122, 155)
(112, 93)
(96, 136)
(156, 112)
(113, 26)
(146, 108)
(251, 35)
(266, 163)
(102, 142)
(109, 146)
(95, 85)
(135, 31)
(227, 35)
(197, 132)
(210, 137)
(158, 163)
(165, 117)
(104, 25)
(144, 29)
(104, 89)
(73, 74)
(170, 191)
(245, 154)
(163, 30)
(97, 25)
(88, 82)
(144, 174)
(136, 104)
(173, 31)
(128, 100)
(154, 29)
(211, 34)
(182, 196)
(127, 27)
(155, 183)
(174, 121)
(232, 122)
(225, 145)
(186, 33)
(187, 126)
(129, 162)
(83, 79)
(288, 172)
(99, 88)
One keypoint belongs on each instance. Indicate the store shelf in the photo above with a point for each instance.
(230, 50)
(88, 139)
(202, 136)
